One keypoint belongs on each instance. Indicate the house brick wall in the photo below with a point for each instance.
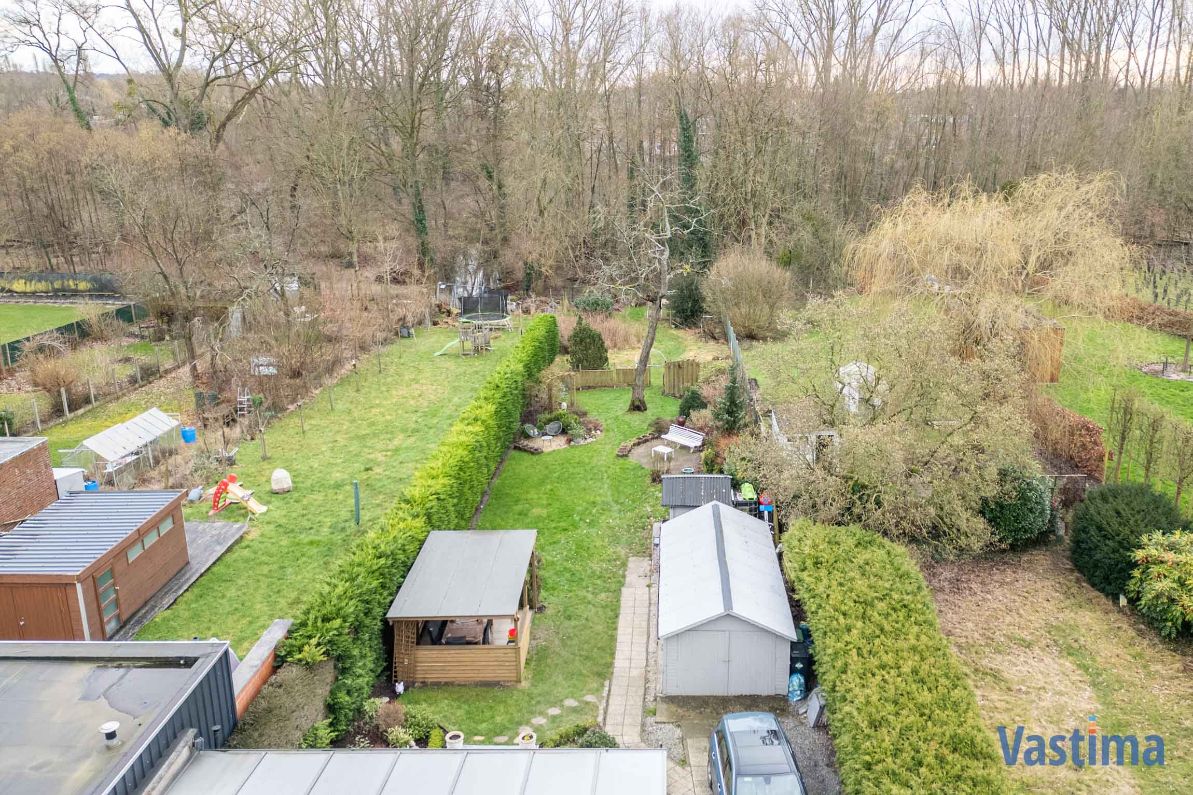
(26, 484)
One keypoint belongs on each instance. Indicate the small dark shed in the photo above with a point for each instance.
(81, 567)
(683, 493)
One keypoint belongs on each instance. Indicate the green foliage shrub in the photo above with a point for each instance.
(580, 735)
(594, 301)
(1109, 525)
(8, 422)
(571, 423)
(1162, 584)
(320, 735)
(586, 348)
(398, 737)
(730, 411)
(345, 615)
(691, 401)
(1020, 513)
(901, 712)
(420, 722)
(687, 302)
(437, 738)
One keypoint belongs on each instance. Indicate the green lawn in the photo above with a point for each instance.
(21, 320)
(592, 510)
(382, 428)
(1101, 356)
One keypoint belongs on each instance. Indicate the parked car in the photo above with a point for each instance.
(749, 754)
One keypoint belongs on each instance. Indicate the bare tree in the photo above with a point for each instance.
(649, 235)
(52, 29)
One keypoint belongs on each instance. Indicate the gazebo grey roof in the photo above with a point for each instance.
(69, 535)
(692, 491)
(421, 771)
(466, 574)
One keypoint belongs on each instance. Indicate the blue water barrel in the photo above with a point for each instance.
(90, 485)
(188, 434)
(795, 688)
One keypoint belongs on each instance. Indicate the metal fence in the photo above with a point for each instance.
(10, 352)
(59, 283)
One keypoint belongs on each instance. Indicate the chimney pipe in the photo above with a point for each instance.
(108, 730)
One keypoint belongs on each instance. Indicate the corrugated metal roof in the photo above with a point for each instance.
(692, 491)
(69, 535)
(466, 573)
(488, 771)
(13, 446)
(130, 436)
(715, 561)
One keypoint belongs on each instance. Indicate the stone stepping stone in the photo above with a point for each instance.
(538, 721)
(553, 711)
(480, 738)
(571, 702)
(501, 738)
(591, 699)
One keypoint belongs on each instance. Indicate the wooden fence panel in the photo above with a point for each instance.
(680, 376)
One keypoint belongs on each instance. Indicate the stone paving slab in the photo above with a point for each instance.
(627, 688)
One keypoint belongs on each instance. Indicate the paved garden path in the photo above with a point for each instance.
(627, 690)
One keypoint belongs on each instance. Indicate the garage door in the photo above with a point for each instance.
(751, 664)
(698, 663)
(36, 612)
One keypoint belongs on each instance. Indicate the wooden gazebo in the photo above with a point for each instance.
(463, 613)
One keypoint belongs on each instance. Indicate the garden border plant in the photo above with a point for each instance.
(345, 617)
(901, 712)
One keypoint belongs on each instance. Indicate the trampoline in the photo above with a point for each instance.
(488, 320)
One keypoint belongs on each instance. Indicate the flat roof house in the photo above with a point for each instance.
(725, 626)
(26, 479)
(683, 493)
(463, 613)
(54, 697)
(468, 771)
(80, 567)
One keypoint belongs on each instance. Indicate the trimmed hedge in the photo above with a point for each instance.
(345, 616)
(901, 712)
(1109, 525)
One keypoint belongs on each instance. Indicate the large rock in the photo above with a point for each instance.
(280, 482)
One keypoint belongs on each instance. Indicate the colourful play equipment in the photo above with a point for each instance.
(229, 491)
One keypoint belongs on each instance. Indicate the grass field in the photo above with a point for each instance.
(1045, 650)
(382, 427)
(592, 510)
(21, 320)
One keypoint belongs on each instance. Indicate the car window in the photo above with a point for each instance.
(723, 753)
(781, 784)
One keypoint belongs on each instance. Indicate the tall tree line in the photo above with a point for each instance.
(528, 135)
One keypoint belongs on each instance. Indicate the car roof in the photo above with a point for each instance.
(758, 744)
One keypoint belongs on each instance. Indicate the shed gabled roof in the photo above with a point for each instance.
(69, 535)
(692, 491)
(716, 561)
(466, 574)
(131, 435)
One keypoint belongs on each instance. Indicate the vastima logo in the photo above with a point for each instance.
(1081, 748)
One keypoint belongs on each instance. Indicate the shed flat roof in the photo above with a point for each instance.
(54, 697)
(13, 446)
(489, 771)
(69, 535)
(716, 561)
(131, 435)
(692, 491)
(466, 574)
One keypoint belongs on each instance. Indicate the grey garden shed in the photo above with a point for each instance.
(683, 493)
(725, 626)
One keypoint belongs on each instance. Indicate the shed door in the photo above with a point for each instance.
(41, 612)
(752, 664)
(701, 663)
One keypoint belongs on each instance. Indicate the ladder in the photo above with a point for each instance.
(244, 402)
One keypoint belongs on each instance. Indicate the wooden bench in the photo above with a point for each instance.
(684, 437)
